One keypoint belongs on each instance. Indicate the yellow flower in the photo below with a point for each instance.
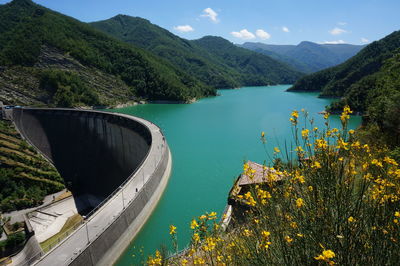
(326, 255)
(198, 261)
(299, 202)
(299, 149)
(295, 114)
(203, 217)
(288, 239)
(351, 219)
(376, 162)
(172, 230)
(265, 234)
(262, 134)
(212, 216)
(300, 235)
(247, 232)
(276, 150)
(304, 133)
(315, 129)
(310, 188)
(293, 225)
(184, 262)
(351, 131)
(397, 214)
(326, 115)
(194, 224)
(196, 238)
(316, 165)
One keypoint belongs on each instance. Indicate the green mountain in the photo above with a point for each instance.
(307, 57)
(369, 82)
(256, 69)
(48, 58)
(202, 58)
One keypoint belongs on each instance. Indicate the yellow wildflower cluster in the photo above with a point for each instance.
(341, 191)
(345, 114)
(326, 256)
(263, 195)
(294, 116)
(265, 242)
(156, 260)
(172, 230)
(247, 170)
(249, 200)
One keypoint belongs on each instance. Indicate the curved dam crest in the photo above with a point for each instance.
(117, 167)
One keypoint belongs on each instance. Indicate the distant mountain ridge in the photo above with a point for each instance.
(369, 82)
(236, 67)
(307, 56)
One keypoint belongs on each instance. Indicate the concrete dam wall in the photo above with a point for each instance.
(117, 167)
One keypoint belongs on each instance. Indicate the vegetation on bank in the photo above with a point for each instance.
(213, 60)
(370, 84)
(338, 204)
(25, 177)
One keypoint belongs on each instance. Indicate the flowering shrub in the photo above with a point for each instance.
(338, 204)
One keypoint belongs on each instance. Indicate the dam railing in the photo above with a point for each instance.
(134, 193)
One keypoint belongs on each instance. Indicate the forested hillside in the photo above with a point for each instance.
(369, 82)
(84, 66)
(307, 57)
(213, 60)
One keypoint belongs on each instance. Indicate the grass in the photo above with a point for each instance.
(69, 224)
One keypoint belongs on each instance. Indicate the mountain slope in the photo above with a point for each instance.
(307, 57)
(191, 56)
(28, 31)
(256, 69)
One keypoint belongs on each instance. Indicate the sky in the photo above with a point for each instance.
(266, 21)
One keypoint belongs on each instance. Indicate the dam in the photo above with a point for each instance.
(116, 166)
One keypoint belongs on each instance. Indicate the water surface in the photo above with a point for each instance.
(209, 141)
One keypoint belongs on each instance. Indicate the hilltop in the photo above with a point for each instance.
(213, 60)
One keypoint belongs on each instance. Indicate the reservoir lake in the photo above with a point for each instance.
(209, 141)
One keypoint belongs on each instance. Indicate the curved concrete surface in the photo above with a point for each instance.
(116, 165)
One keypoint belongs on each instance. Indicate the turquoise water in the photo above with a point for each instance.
(209, 141)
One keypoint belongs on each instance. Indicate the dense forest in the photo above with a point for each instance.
(27, 30)
(213, 60)
(369, 83)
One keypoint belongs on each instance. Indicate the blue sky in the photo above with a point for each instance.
(268, 21)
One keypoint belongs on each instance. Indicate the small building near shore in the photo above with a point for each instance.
(254, 175)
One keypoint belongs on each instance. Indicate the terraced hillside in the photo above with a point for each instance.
(25, 176)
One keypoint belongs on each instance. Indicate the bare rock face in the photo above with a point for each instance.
(51, 57)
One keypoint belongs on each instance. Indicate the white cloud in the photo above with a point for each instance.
(243, 34)
(285, 29)
(210, 13)
(342, 23)
(364, 40)
(334, 42)
(262, 34)
(337, 31)
(184, 28)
